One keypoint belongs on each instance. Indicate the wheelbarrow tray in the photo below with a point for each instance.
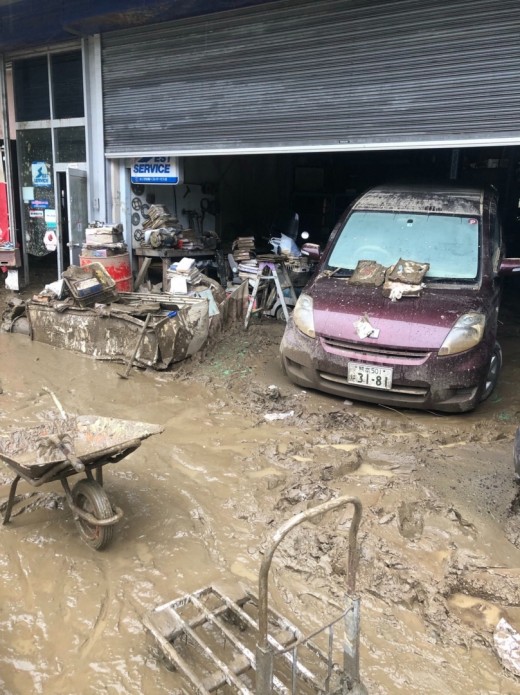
(95, 438)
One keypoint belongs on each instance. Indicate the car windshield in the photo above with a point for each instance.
(449, 243)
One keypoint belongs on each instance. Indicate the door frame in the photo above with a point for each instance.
(66, 168)
(79, 172)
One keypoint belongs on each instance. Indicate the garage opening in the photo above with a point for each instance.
(254, 195)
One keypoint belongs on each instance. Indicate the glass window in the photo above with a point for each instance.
(70, 144)
(37, 181)
(67, 85)
(31, 89)
(449, 243)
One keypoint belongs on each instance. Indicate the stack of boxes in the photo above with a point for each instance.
(103, 241)
(104, 245)
(182, 275)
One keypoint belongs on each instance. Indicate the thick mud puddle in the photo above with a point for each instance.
(438, 562)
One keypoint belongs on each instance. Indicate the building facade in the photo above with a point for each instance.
(231, 90)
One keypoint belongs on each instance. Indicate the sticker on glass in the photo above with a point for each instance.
(41, 177)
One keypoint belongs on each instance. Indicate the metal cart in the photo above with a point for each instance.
(241, 645)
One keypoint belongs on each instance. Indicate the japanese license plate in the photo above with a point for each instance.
(369, 375)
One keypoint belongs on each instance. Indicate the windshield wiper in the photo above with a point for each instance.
(336, 271)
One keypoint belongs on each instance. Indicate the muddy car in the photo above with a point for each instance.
(403, 307)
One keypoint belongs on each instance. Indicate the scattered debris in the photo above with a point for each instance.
(182, 274)
(364, 328)
(368, 273)
(273, 391)
(507, 644)
(404, 279)
(270, 417)
(89, 284)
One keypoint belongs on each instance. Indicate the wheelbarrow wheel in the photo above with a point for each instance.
(90, 496)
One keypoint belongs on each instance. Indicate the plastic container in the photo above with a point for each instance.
(77, 281)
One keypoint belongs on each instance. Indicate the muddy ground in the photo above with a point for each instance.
(439, 539)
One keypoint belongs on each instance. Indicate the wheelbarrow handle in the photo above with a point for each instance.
(76, 463)
(56, 402)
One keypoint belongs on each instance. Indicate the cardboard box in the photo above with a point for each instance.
(102, 235)
(95, 253)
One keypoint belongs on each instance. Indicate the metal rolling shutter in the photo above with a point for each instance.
(306, 75)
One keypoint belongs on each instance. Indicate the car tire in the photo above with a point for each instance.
(516, 455)
(279, 315)
(495, 365)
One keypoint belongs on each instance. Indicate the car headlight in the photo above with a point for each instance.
(467, 332)
(303, 315)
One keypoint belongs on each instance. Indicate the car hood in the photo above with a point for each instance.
(411, 322)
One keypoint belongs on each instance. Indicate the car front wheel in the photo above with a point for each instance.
(495, 365)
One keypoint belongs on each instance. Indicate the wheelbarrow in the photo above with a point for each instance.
(242, 645)
(66, 445)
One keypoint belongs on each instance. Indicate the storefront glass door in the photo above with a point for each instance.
(50, 125)
(77, 211)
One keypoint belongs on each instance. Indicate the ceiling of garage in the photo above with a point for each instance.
(25, 23)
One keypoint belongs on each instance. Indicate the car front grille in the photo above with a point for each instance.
(368, 350)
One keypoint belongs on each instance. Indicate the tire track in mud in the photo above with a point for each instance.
(101, 618)
(389, 446)
(400, 570)
(402, 625)
(25, 588)
(203, 529)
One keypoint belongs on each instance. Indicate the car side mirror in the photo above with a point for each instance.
(509, 266)
(311, 250)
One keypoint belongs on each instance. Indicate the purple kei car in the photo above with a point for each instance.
(403, 307)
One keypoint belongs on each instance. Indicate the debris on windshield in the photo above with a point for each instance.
(410, 272)
(364, 328)
(368, 273)
(330, 273)
(404, 279)
(397, 290)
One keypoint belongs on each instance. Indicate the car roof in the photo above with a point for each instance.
(454, 200)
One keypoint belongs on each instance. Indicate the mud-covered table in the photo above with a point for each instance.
(168, 255)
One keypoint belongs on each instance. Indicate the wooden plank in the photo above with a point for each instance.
(143, 272)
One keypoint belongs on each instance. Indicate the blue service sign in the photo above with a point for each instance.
(41, 177)
(158, 170)
(39, 204)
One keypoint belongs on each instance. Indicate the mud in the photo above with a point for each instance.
(440, 535)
